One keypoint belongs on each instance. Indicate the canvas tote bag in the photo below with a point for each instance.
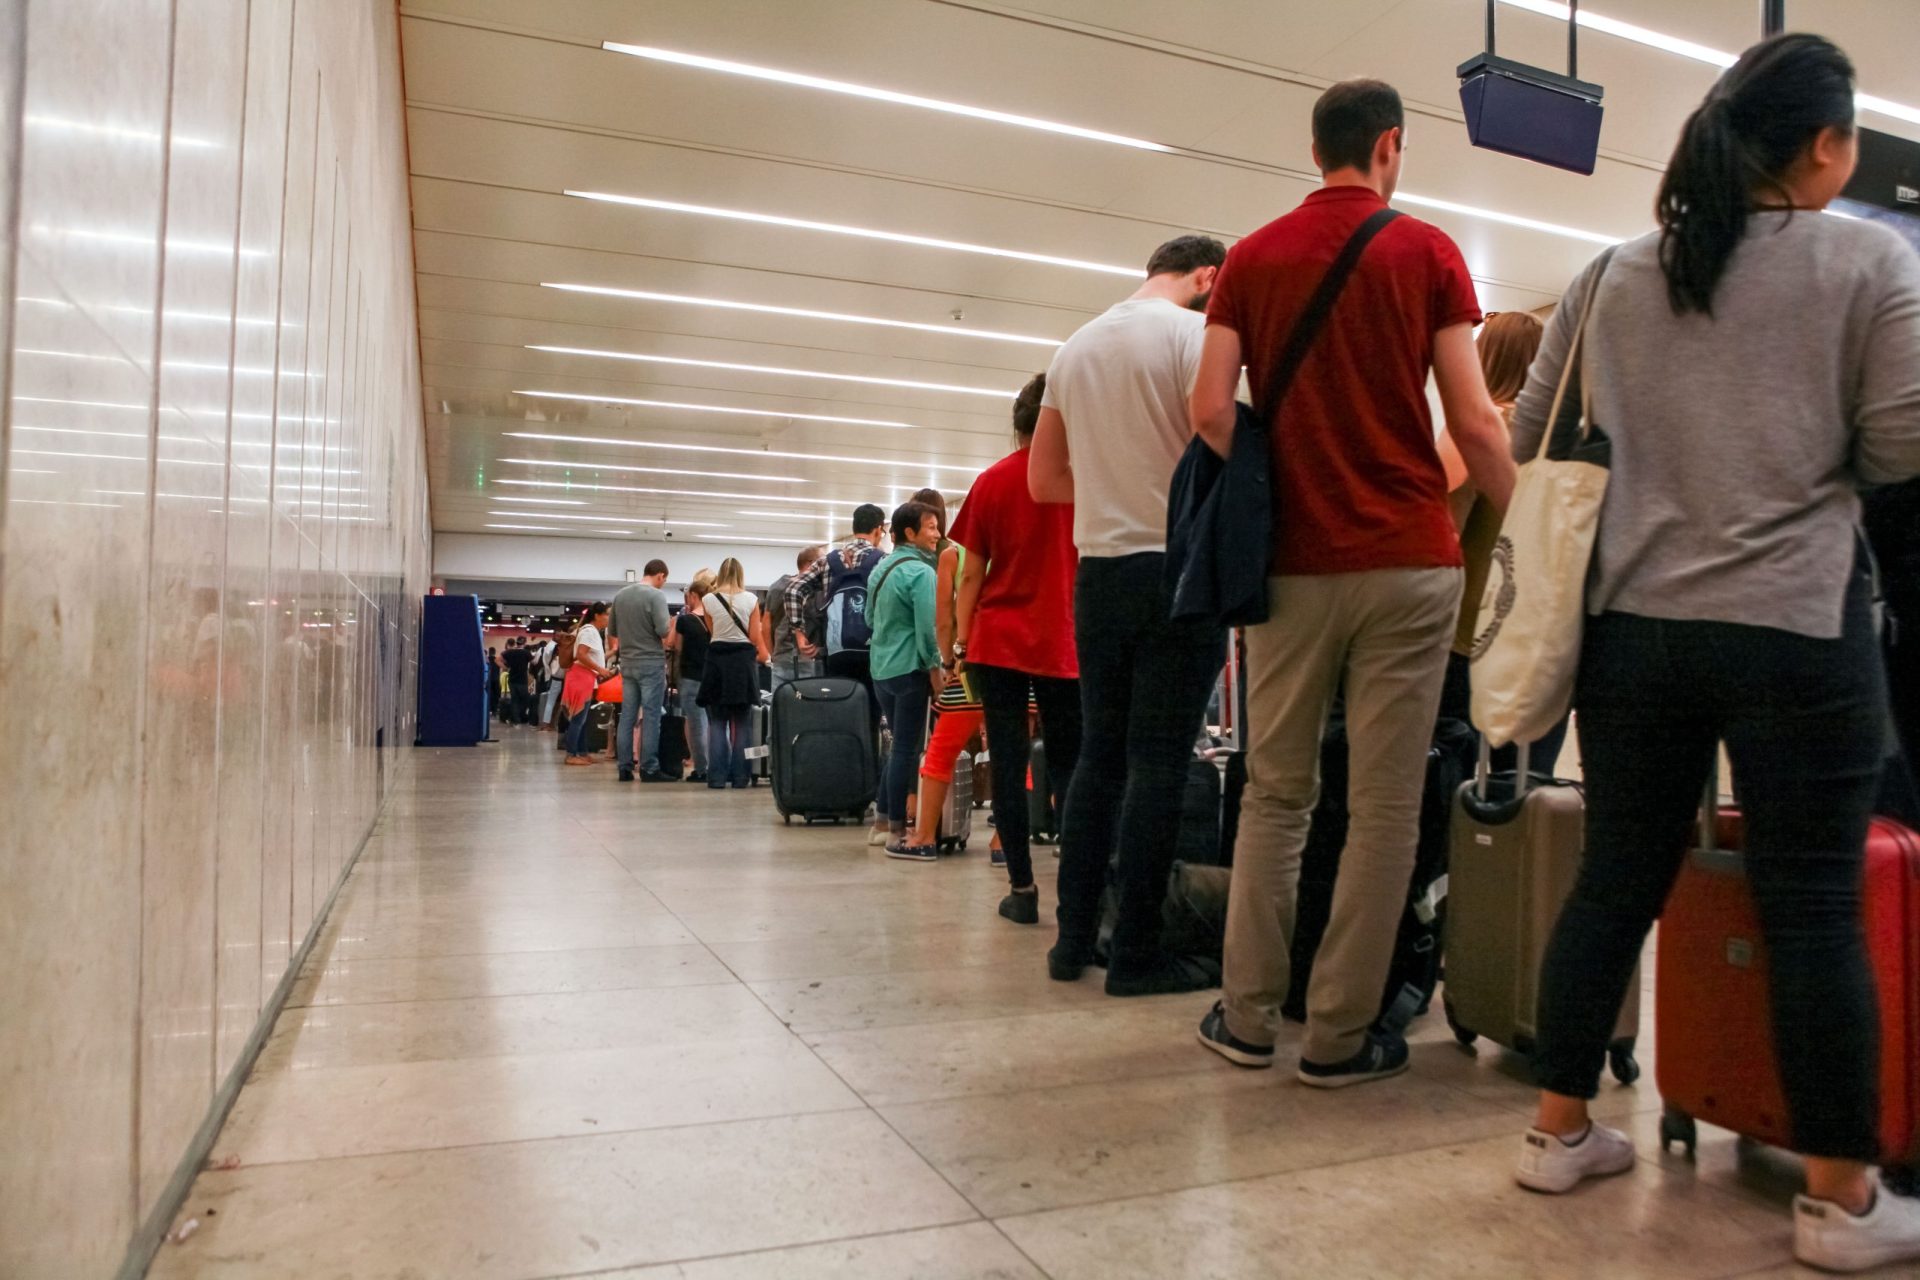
(1527, 645)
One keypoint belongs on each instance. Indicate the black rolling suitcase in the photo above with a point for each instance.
(1416, 951)
(673, 744)
(602, 720)
(1043, 816)
(823, 751)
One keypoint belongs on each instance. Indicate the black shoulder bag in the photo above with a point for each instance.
(1216, 506)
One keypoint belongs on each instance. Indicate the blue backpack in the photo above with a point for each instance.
(846, 595)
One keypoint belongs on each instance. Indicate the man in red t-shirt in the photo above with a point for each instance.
(1364, 575)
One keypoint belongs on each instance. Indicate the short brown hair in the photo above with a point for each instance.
(654, 567)
(1349, 118)
(1026, 406)
(808, 555)
(1182, 254)
(934, 501)
(1508, 342)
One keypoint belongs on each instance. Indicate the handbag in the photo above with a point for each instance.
(1216, 506)
(1526, 647)
(608, 690)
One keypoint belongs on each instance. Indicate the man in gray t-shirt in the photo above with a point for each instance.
(784, 627)
(640, 624)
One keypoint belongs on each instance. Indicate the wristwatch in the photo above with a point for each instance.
(959, 650)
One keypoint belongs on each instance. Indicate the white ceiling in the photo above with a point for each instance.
(510, 104)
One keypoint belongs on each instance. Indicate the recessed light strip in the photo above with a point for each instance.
(1689, 49)
(802, 313)
(1510, 219)
(908, 383)
(568, 515)
(713, 408)
(747, 537)
(748, 453)
(844, 503)
(869, 233)
(661, 471)
(878, 95)
(558, 502)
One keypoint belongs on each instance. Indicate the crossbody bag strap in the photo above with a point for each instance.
(1307, 328)
(730, 613)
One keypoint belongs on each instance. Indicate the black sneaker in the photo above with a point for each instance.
(697, 776)
(1171, 974)
(1214, 1034)
(1021, 908)
(1383, 1055)
(1066, 962)
(626, 775)
(654, 775)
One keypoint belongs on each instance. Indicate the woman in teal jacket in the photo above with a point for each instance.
(905, 658)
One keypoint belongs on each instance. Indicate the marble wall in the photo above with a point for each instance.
(213, 541)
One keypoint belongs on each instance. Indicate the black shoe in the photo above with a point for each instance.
(1383, 1055)
(1214, 1035)
(654, 775)
(1169, 975)
(697, 776)
(1021, 908)
(626, 775)
(1066, 962)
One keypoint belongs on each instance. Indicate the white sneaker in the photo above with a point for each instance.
(1828, 1237)
(1549, 1164)
(878, 836)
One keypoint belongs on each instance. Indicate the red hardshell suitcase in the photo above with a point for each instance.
(1712, 1021)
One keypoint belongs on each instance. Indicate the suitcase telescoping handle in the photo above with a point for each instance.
(1485, 767)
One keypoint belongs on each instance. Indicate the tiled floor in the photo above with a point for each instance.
(560, 1027)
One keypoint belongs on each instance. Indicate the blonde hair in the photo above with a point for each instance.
(732, 575)
(702, 583)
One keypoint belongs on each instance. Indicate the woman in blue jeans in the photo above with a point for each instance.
(1728, 604)
(730, 685)
(688, 641)
(906, 666)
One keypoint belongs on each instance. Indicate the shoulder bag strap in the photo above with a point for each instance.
(731, 614)
(1576, 358)
(1307, 328)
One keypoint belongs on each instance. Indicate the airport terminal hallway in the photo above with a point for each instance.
(560, 1027)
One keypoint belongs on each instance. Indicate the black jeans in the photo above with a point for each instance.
(1003, 695)
(1144, 684)
(905, 700)
(1804, 721)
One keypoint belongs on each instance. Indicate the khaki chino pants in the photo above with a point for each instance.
(1387, 633)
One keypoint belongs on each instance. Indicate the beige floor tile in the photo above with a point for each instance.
(884, 949)
(566, 1205)
(375, 981)
(404, 1106)
(1044, 1148)
(934, 995)
(973, 1252)
(509, 931)
(922, 1062)
(429, 1030)
(1443, 1212)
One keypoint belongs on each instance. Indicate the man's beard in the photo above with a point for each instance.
(1199, 302)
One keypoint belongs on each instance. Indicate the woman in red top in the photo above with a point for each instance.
(1013, 627)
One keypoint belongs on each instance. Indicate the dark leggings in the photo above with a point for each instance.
(904, 701)
(1804, 722)
(1144, 684)
(1003, 693)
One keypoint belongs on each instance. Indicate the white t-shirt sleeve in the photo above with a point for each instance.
(1192, 338)
(588, 643)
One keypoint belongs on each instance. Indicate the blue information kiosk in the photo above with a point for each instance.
(453, 673)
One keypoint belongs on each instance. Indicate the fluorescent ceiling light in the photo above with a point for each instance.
(781, 515)
(844, 503)
(909, 383)
(750, 453)
(712, 408)
(661, 471)
(878, 95)
(568, 515)
(869, 233)
(745, 537)
(558, 502)
(114, 131)
(1511, 219)
(530, 528)
(1688, 49)
(802, 313)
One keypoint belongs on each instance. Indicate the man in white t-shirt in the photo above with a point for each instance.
(1112, 427)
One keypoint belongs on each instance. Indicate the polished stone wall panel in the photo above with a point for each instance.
(213, 541)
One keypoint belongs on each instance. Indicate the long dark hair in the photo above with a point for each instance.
(1755, 122)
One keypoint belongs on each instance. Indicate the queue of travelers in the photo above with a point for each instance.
(1753, 365)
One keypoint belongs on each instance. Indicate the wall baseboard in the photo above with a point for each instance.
(152, 1234)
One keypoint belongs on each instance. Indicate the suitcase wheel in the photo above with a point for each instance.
(786, 819)
(1625, 1067)
(1460, 1033)
(1678, 1127)
(1902, 1180)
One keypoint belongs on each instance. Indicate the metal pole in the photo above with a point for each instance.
(1773, 17)
(1573, 39)
(1491, 6)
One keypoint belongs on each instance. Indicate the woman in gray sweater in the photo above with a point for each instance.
(1754, 363)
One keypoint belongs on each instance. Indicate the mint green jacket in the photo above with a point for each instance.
(900, 614)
